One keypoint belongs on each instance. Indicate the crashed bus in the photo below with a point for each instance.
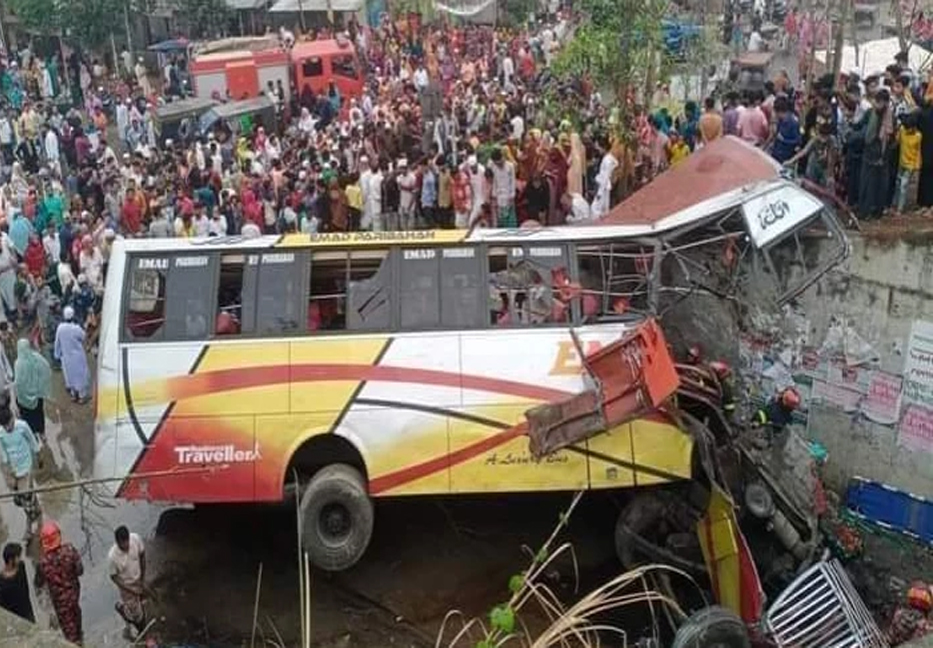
(361, 365)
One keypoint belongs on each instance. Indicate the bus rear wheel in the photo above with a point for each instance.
(336, 517)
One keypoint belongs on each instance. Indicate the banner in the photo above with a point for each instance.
(882, 402)
(918, 364)
(916, 429)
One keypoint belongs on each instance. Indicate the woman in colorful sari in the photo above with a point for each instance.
(556, 172)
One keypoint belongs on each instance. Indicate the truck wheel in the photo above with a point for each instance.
(336, 517)
(712, 627)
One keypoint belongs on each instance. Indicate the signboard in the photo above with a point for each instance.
(777, 212)
(364, 238)
(882, 402)
(918, 364)
(916, 429)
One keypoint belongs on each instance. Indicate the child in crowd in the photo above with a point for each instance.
(909, 140)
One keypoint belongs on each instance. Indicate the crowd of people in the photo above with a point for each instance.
(456, 127)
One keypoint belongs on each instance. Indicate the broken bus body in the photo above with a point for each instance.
(369, 364)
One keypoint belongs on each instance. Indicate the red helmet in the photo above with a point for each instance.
(721, 369)
(790, 398)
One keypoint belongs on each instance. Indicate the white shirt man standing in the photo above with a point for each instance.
(52, 154)
(127, 567)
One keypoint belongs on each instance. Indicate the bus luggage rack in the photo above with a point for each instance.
(821, 609)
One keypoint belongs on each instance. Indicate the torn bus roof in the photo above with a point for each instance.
(709, 181)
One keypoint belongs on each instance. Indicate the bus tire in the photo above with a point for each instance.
(712, 626)
(336, 517)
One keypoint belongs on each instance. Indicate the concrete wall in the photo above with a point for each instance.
(845, 331)
(16, 633)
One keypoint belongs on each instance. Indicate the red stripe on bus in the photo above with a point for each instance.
(221, 380)
(411, 473)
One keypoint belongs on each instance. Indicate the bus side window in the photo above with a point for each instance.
(279, 298)
(462, 296)
(187, 313)
(236, 289)
(145, 312)
(327, 296)
(350, 291)
(369, 291)
(499, 293)
(419, 295)
(312, 67)
(613, 280)
(524, 285)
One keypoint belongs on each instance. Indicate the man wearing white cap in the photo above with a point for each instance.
(69, 350)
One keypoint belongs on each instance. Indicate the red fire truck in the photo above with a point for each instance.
(240, 68)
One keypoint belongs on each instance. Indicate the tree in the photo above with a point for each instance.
(89, 22)
(203, 18)
(619, 46)
(42, 16)
(92, 22)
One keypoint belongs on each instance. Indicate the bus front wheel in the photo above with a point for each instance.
(336, 517)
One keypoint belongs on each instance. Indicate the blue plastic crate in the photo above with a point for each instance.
(891, 507)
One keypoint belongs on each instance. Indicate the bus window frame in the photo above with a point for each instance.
(302, 260)
(652, 282)
(130, 267)
(481, 261)
(217, 255)
(566, 247)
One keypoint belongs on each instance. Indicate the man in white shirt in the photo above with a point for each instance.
(127, 568)
(202, 224)
(477, 175)
(755, 42)
(421, 78)
(123, 120)
(52, 154)
(6, 138)
(407, 182)
(518, 127)
(508, 69)
(52, 244)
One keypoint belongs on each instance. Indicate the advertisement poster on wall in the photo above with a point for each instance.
(882, 402)
(918, 365)
(916, 429)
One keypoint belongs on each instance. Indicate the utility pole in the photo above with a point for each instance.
(6, 45)
(839, 34)
(301, 18)
(126, 22)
